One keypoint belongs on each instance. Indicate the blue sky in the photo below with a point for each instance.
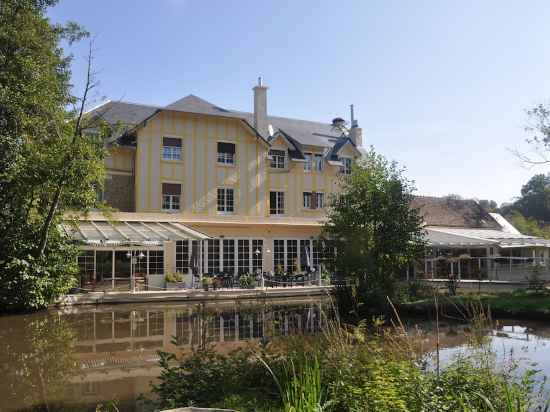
(439, 86)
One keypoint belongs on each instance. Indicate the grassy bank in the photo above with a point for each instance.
(519, 304)
(358, 369)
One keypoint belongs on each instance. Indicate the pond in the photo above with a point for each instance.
(74, 358)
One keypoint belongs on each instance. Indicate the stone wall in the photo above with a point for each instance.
(119, 192)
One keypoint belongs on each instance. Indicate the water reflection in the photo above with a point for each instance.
(81, 356)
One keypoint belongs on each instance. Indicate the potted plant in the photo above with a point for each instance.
(247, 281)
(174, 280)
(206, 282)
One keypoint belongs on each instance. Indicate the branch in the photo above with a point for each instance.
(46, 227)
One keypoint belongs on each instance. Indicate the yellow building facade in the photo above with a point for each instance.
(257, 186)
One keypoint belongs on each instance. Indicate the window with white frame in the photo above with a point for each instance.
(292, 255)
(278, 159)
(229, 256)
(346, 165)
(318, 162)
(279, 255)
(213, 259)
(182, 256)
(86, 262)
(171, 148)
(171, 194)
(309, 162)
(226, 153)
(257, 254)
(319, 200)
(276, 203)
(313, 200)
(317, 254)
(243, 256)
(307, 200)
(226, 200)
(156, 262)
(305, 254)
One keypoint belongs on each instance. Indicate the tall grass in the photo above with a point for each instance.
(299, 384)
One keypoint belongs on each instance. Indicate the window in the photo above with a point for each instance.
(171, 148)
(226, 200)
(257, 254)
(226, 153)
(317, 253)
(346, 165)
(171, 193)
(276, 203)
(229, 256)
(320, 200)
(308, 163)
(314, 200)
(305, 254)
(278, 159)
(279, 255)
(182, 256)
(291, 256)
(86, 262)
(213, 256)
(156, 262)
(307, 200)
(243, 256)
(318, 162)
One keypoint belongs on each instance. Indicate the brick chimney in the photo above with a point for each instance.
(260, 108)
(355, 132)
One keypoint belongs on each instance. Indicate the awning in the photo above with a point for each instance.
(438, 238)
(446, 236)
(119, 233)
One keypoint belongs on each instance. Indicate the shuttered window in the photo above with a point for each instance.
(226, 153)
(171, 193)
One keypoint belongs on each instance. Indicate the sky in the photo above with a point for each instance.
(441, 87)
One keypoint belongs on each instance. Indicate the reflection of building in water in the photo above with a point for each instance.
(116, 348)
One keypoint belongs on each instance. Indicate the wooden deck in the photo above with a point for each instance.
(193, 295)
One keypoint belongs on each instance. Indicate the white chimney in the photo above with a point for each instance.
(260, 108)
(355, 132)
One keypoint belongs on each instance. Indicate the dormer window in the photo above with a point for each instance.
(278, 159)
(226, 153)
(345, 169)
(171, 148)
(314, 161)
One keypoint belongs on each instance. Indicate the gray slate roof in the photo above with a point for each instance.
(303, 131)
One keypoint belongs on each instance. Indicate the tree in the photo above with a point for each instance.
(48, 165)
(538, 127)
(488, 205)
(373, 227)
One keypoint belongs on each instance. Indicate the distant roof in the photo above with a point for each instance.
(453, 212)
(303, 131)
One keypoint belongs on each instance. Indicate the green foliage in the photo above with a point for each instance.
(47, 165)
(528, 225)
(374, 229)
(174, 277)
(207, 378)
(299, 383)
(247, 281)
(357, 369)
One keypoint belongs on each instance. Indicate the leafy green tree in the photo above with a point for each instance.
(535, 198)
(488, 205)
(375, 231)
(47, 164)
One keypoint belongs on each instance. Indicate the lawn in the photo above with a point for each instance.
(522, 304)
